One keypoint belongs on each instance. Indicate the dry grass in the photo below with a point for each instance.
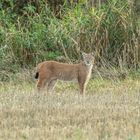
(109, 111)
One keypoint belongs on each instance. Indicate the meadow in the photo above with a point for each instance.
(34, 31)
(110, 110)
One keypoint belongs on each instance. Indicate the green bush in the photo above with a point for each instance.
(110, 31)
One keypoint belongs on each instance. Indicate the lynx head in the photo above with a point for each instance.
(88, 58)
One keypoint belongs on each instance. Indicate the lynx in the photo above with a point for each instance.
(48, 72)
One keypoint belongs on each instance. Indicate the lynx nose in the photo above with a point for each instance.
(88, 63)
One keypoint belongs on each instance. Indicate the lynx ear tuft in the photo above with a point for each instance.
(83, 53)
(93, 53)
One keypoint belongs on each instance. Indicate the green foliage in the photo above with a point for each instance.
(30, 36)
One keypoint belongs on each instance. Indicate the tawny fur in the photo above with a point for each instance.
(48, 72)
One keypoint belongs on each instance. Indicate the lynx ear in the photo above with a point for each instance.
(93, 53)
(83, 53)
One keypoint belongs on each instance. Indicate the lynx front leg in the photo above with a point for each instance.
(82, 87)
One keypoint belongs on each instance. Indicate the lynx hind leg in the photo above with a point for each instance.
(42, 82)
(51, 85)
(41, 85)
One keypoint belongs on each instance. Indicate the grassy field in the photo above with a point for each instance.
(109, 111)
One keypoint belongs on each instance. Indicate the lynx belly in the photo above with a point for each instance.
(67, 77)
